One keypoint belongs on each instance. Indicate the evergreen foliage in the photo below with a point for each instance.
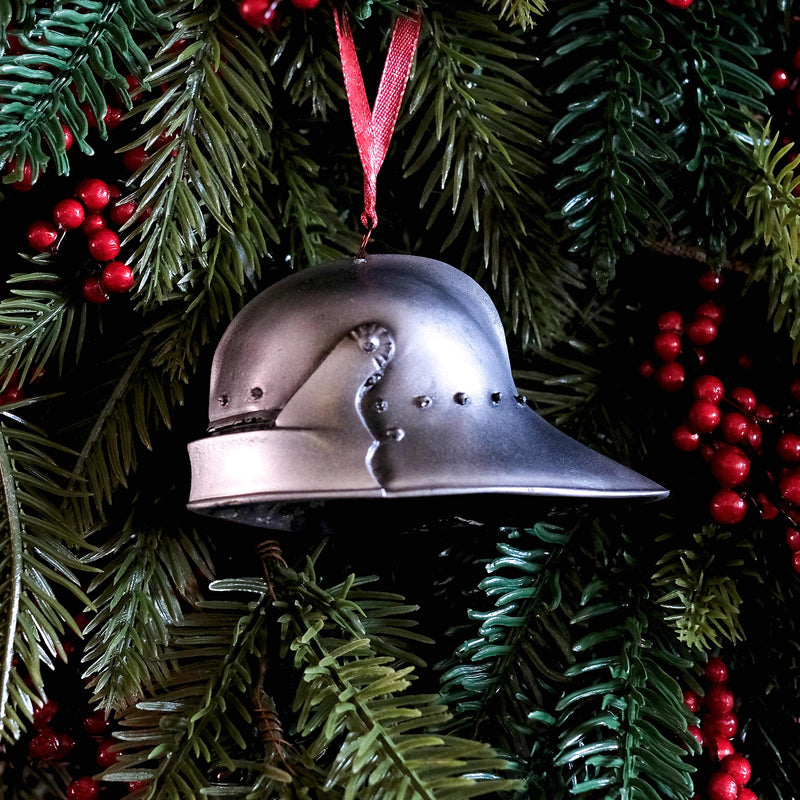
(78, 45)
(478, 134)
(39, 555)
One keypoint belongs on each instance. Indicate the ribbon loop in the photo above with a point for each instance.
(373, 128)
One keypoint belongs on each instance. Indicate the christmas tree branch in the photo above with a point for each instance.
(612, 187)
(213, 114)
(699, 596)
(514, 669)
(146, 573)
(522, 13)
(38, 556)
(78, 45)
(621, 719)
(477, 133)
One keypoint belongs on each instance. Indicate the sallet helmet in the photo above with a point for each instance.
(387, 377)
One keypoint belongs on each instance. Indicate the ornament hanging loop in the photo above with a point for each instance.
(373, 127)
(362, 250)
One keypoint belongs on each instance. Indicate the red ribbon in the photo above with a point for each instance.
(374, 128)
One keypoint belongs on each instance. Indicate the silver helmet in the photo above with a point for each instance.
(386, 377)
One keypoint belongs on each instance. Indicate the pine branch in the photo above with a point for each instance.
(699, 592)
(38, 557)
(478, 130)
(79, 45)
(146, 573)
(714, 52)
(216, 104)
(612, 187)
(504, 683)
(38, 320)
(522, 13)
(623, 721)
(201, 719)
(138, 398)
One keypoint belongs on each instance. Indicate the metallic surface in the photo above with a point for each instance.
(382, 377)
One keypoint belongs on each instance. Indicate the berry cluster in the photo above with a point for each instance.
(266, 13)
(719, 726)
(752, 451)
(67, 733)
(85, 210)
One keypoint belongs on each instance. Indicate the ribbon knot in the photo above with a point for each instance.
(374, 127)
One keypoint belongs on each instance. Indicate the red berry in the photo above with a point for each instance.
(754, 436)
(691, 700)
(763, 411)
(796, 561)
(746, 794)
(114, 191)
(105, 755)
(719, 700)
(41, 236)
(734, 427)
(25, 183)
(93, 193)
(709, 281)
(788, 447)
(670, 377)
(104, 245)
(305, 5)
(137, 786)
(697, 733)
(93, 292)
(43, 714)
(716, 671)
(727, 507)
(93, 223)
(711, 310)
(721, 786)
(113, 118)
(66, 744)
(727, 725)
(133, 159)
(778, 79)
(738, 767)
(68, 137)
(647, 368)
(680, 3)
(68, 214)
(709, 387)
(706, 451)
(120, 213)
(133, 85)
(667, 345)
(44, 745)
(720, 748)
(704, 416)
(794, 389)
(793, 539)
(670, 321)
(684, 439)
(96, 723)
(701, 331)
(765, 507)
(84, 788)
(730, 466)
(260, 13)
(117, 277)
(789, 486)
(744, 398)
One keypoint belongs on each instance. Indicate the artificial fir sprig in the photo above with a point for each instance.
(215, 114)
(39, 555)
(700, 595)
(714, 52)
(476, 131)
(605, 66)
(524, 13)
(622, 721)
(504, 683)
(78, 45)
(146, 575)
